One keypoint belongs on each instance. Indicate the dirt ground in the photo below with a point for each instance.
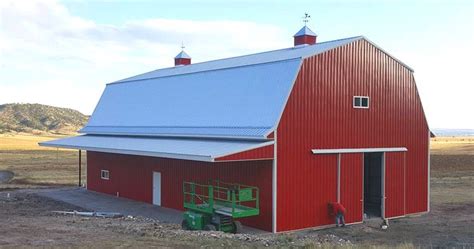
(27, 220)
(30, 222)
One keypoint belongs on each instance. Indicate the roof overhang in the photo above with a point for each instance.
(206, 150)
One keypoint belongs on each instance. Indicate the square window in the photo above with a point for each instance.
(104, 174)
(361, 102)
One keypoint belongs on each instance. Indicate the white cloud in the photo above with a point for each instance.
(50, 56)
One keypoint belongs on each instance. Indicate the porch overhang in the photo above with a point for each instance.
(206, 150)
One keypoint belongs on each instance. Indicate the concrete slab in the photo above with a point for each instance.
(99, 202)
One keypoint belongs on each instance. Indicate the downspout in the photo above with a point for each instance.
(274, 184)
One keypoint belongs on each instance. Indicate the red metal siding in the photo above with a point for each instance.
(271, 135)
(131, 177)
(182, 61)
(255, 154)
(319, 114)
(304, 39)
(303, 202)
(395, 184)
(351, 186)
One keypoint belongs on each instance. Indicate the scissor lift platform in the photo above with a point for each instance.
(216, 205)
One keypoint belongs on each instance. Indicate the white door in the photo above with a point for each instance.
(157, 188)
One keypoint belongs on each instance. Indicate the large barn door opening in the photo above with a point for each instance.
(373, 184)
(157, 188)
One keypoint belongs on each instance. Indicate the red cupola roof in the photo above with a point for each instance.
(305, 36)
(182, 59)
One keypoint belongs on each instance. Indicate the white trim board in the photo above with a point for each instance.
(358, 150)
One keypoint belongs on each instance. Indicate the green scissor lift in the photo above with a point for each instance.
(217, 205)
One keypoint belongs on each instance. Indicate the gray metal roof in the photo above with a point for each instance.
(240, 102)
(182, 55)
(178, 148)
(241, 97)
(245, 60)
(305, 31)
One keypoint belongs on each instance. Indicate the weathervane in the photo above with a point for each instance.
(182, 46)
(306, 18)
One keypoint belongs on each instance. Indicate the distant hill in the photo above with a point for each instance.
(453, 132)
(36, 118)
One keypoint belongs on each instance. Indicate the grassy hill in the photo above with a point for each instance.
(36, 118)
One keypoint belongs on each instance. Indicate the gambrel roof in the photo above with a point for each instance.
(203, 111)
(239, 97)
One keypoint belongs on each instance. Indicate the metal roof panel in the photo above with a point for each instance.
(245, 60)
(242, 101)
(229, 132)
(178, 148)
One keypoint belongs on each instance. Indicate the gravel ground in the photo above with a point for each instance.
(31, 224)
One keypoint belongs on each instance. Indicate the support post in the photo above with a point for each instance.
(80, 173)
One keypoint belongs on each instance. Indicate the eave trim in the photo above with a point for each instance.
(358, 150)
(134, 152)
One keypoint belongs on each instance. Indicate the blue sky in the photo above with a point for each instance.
(63, 52)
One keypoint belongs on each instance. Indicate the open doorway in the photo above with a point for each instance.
(373, 184)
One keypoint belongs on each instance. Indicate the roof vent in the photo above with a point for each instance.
(305, 36)
(182, 58)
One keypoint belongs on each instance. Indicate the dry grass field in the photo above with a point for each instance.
(35, 166)
(449, 223)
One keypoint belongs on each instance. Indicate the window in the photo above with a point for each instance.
(104, 174)
(360, 102)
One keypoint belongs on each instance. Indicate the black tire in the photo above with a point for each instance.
(185, 225)
(237, 227)
(209, 227)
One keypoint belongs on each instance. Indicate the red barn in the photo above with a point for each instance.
(315, 123)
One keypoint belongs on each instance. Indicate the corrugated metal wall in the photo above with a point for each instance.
(351, 186)
(265, 152)
(131, 176)
(305, 186)
(319, 114)
(395, 187)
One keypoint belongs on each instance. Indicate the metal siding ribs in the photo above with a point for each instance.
(351, 186)
(262, 153)
(395, 169)
(131, 177)
(319, 114)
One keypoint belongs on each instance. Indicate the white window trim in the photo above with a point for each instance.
(102, 174)
(361, 97)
